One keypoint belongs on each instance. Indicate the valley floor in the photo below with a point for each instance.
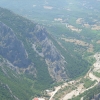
(73, 88)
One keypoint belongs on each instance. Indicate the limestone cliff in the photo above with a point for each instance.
(13, 49)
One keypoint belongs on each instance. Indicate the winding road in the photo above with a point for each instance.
(80, 88)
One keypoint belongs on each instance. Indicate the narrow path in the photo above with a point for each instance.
(54, 92)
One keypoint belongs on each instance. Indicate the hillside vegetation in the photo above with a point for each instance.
(34, 58)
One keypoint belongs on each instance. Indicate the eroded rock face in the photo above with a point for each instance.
(96, 97)
(54, 60)
(14, 51)
(11, 48)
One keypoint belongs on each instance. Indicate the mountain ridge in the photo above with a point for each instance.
(34, 55)
(37, 37)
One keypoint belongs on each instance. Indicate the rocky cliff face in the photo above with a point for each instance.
(12, 49)
(96, 97)
(54, 60)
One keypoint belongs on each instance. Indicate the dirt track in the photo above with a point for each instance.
(80, 88)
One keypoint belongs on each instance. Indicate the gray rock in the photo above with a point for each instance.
(11, 48)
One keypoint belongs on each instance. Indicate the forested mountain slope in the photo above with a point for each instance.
(30, 55)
